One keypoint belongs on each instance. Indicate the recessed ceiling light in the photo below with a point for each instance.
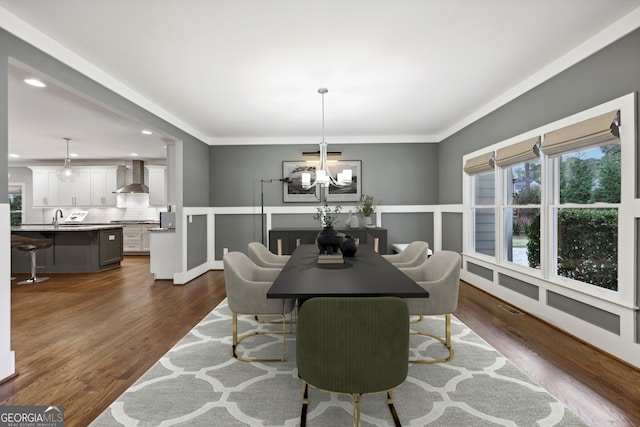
(147, 132)
(34, 82)
(15, 156)
(134, 154)
(73, 154)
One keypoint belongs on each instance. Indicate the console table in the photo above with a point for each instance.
(290, 238)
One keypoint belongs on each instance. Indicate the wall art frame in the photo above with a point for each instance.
(293, 191)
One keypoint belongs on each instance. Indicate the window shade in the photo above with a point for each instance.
(596, 131)
(15, 189)
(480, 164)
(521, 152)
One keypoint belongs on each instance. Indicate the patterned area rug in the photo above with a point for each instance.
(198, 383)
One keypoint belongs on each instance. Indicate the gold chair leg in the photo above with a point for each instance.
(446, 341)
(237, 340)
(356, 399)
(291, 321)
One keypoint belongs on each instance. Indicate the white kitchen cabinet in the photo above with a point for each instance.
(157, 187)
(78, 191)
(92, 186)
(145, 236)
(162, 262)
(131, 238)
(46, 187)
(104, 183)
(135, 238)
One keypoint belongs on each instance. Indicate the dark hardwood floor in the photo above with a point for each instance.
(82, 339)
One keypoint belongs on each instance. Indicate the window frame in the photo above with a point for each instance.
(473, 207)
(504, 204)
(628, 210)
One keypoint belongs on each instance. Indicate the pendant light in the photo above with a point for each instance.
(66, 173)
(323, 176)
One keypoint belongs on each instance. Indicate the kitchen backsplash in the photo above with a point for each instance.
(106, 215)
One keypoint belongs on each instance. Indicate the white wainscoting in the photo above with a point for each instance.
(183, 276)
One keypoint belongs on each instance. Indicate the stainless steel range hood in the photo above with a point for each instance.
(137, 184)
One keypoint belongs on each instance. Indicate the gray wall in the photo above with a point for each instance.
(197, 237)
(452, 232)
(395, 174)
(195, 175)
(407, 227)
(234, 232)
(195, 179)
(606, 75)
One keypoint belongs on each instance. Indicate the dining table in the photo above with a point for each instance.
(366, 274)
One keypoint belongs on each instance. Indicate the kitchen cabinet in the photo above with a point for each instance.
(131, 238)
(46, 187)
(162, 262)
(157, 185)
(145, 231)
(104, 183)
(135, 238)
(93, 186)
(76, 192)
(75, 249)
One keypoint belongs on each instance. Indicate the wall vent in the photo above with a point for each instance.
(511, 310)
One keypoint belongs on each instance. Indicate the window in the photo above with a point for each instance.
(557, 201)
(484, 214)
(521, 213)
(15, 204)
(483, 203)
(521, 167)
(586, 215)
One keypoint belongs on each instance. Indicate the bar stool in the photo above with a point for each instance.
(32, 246)
(18, 241)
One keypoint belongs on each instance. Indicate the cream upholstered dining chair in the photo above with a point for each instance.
(263, 257)
(247, 285)
(440, 276)
(412, 256)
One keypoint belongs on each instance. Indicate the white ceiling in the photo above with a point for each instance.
(247, 71)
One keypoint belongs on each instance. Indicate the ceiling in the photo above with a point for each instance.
(247, 72)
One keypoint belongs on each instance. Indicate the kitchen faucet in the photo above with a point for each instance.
(55, 218)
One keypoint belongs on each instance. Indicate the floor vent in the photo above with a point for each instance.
(511, 310)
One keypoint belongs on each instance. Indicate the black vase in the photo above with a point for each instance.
(349, 246)
(329, 241)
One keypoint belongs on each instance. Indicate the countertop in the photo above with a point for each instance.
(65, 227)
(165, 230)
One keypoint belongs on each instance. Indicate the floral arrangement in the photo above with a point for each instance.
(327, 216)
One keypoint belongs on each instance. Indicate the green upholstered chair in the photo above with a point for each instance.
(440, 276)
(263, 257)
(412, 256)
(353, 346)
(247, 284)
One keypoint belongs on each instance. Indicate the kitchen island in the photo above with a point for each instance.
(77, 248)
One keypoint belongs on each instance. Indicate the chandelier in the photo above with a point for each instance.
(323, 176)
(66, 173)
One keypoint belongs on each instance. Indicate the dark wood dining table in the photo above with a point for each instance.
(367, 274)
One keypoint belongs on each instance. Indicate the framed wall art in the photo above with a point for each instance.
(350, 192)
(295, 192)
